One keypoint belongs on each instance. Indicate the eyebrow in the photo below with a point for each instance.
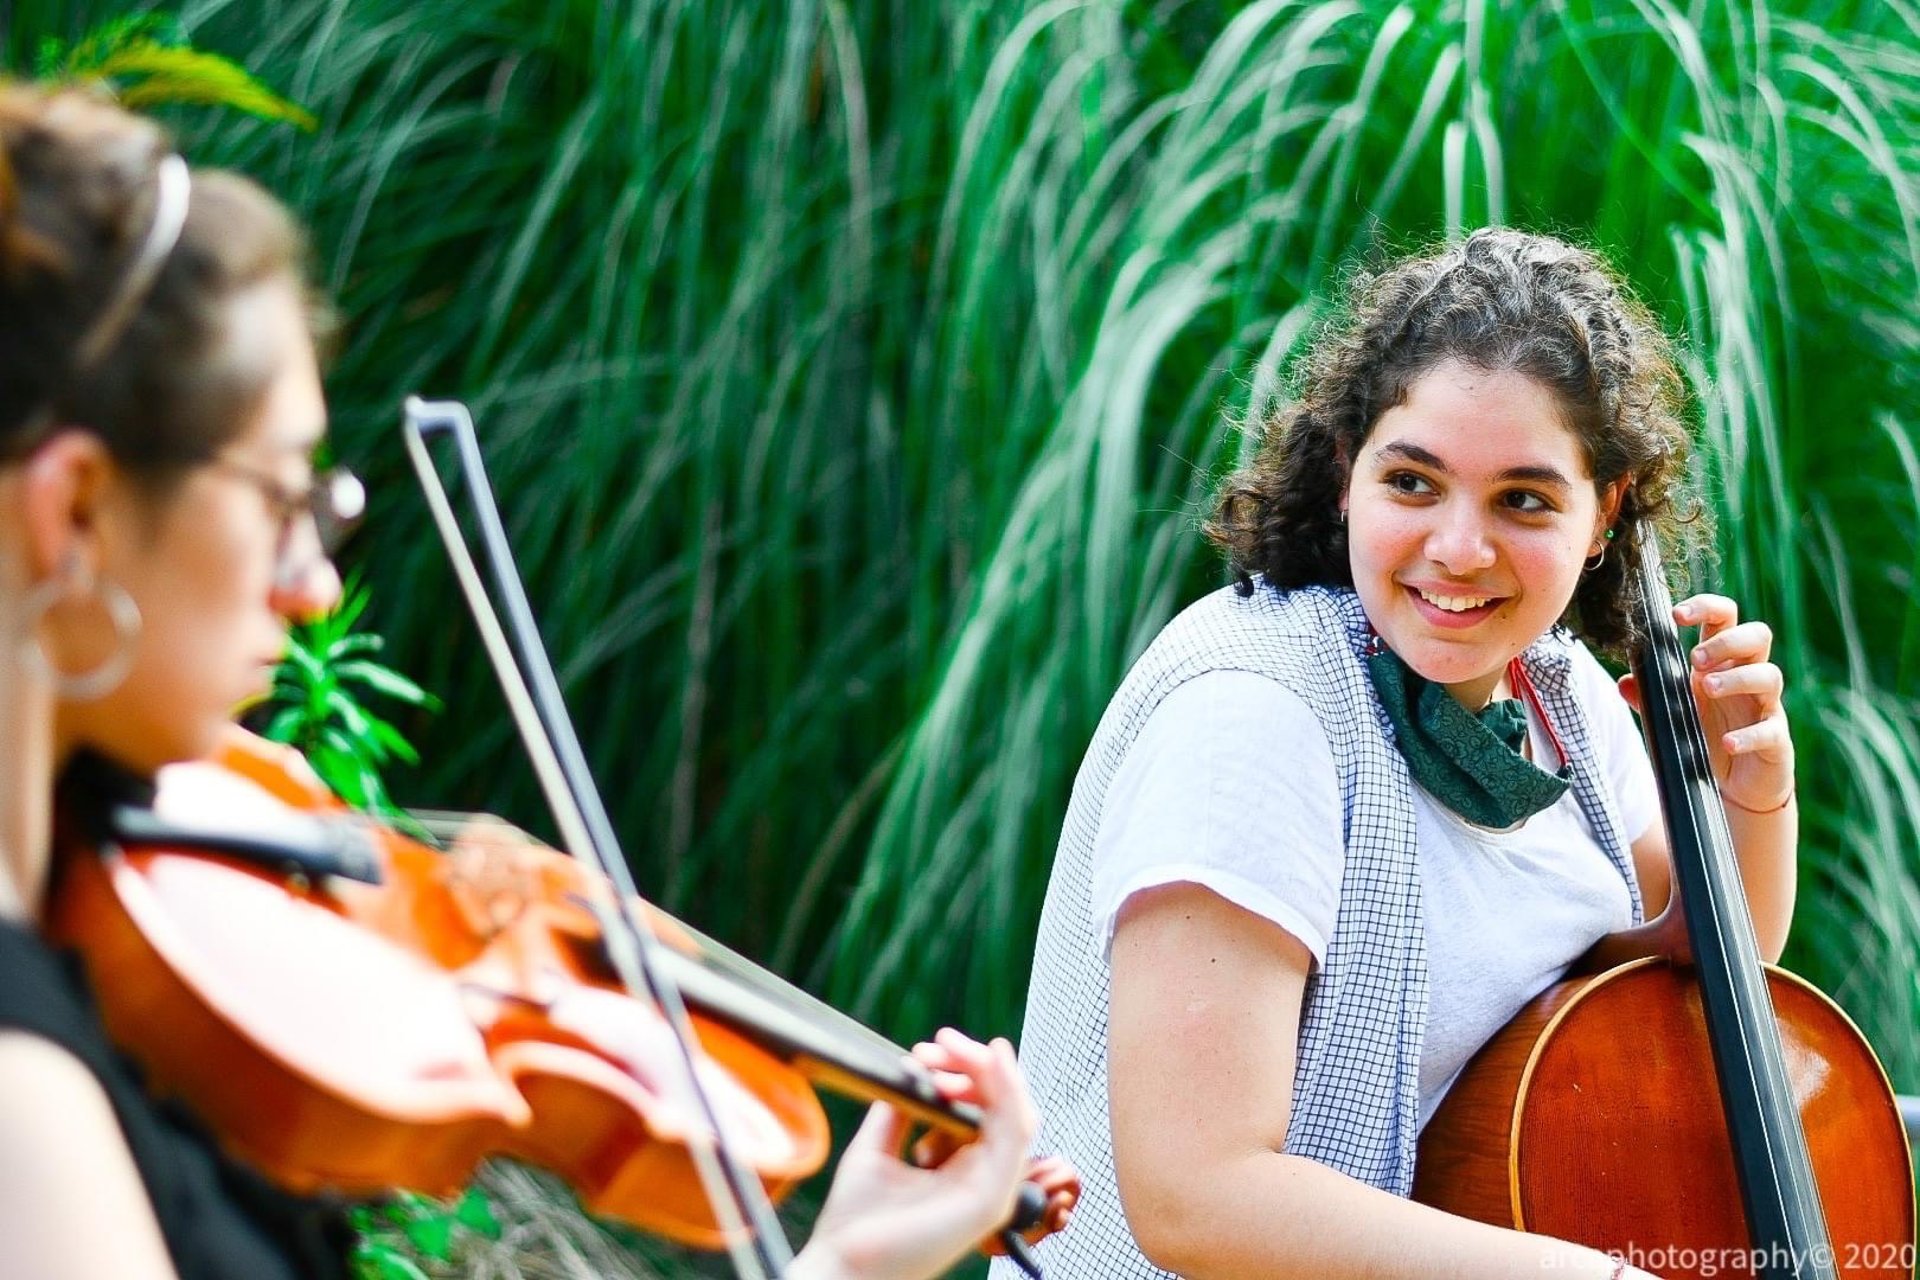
(1402, 450)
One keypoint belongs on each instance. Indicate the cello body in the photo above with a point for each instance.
(1592, 1117)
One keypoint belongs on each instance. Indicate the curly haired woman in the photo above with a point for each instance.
(1345, 817)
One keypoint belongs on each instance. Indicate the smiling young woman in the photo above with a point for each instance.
(161, 525)
(1345, 818)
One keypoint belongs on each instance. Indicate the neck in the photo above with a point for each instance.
(26, 794)
(1480, 692)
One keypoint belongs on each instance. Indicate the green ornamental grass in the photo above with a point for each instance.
(855, 372)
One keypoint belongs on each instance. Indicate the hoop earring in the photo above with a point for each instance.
(1595, 561)
(121, 609)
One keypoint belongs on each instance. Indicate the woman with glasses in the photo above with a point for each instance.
(161, 525)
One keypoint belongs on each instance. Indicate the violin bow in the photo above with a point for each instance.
(756, 1243)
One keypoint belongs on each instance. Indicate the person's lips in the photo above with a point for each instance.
(1452, 606)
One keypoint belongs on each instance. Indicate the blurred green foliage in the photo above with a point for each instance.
(319, 704)
(396, 1237)
(145, 60)
(853, 373)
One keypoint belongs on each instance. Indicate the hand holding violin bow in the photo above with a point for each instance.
(887, 1216)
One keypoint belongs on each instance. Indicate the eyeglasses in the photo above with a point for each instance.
(334, 502)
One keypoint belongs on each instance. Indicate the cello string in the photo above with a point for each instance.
(1673, 689)
(735, 1195)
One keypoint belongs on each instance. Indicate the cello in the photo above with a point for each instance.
(1587, 1117)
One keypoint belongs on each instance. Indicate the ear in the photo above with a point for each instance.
(1610, 499)
(64, 484)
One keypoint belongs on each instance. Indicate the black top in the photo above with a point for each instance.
(221, 1220)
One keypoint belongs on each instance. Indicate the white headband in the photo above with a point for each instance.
(171, 187)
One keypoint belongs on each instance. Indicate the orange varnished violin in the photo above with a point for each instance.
(365, 1015)
(352, 1010)
(1721, 1118)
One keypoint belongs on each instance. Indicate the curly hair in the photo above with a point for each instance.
(1501, 300)
(77, 197)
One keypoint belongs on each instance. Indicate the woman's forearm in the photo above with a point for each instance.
(1273, 1216)
(1768, 846)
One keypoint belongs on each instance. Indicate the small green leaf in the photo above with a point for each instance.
(146, 74)
(341, 704)
(393, 743)
(303, 660)
(353, 603)
(285, 725)
(359, 642)
(381, 679)
(404, 1206)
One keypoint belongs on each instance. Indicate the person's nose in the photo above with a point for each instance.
(306, 590)
(1460, 541)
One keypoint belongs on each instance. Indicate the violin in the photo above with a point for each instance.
(1592, 1115)
(383, 1014)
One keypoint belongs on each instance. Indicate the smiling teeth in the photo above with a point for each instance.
(1455, 604)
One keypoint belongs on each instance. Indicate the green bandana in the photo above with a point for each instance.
(1470, 763)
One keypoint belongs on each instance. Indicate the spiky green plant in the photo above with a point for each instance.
(319, 704)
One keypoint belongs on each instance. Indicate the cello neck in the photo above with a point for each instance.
(1782, 1202)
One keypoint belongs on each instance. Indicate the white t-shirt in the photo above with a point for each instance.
(1231, 786)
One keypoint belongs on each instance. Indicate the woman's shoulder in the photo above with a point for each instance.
(1310, 615)
(1295, 637)
(40, 1071)
(85, 1211)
